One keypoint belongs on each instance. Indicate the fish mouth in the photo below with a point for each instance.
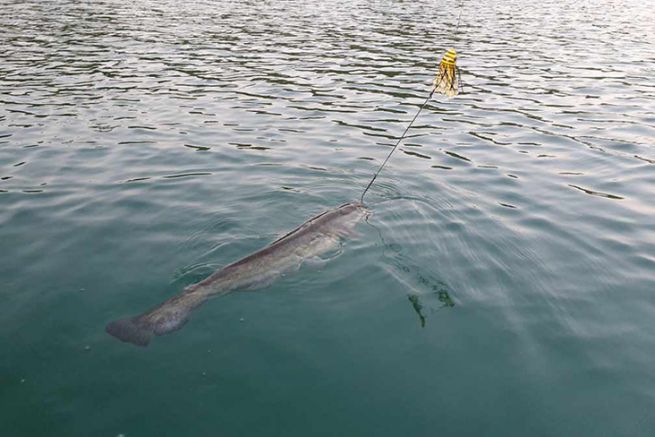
(355, 208)
(351, 207)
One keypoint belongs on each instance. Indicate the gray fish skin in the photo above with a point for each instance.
(316, 236)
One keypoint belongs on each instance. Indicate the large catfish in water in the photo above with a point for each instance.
(316, 236)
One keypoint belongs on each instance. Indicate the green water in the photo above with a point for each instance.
(504, 287)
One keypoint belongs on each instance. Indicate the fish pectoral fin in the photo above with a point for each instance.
(349, 233)
(321, 260)
(316, 261)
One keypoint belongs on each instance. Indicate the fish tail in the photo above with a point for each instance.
(131, 330)
(167, 317)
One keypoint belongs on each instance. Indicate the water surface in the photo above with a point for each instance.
(503, 287)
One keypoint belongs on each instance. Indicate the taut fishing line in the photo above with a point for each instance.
(447, 82)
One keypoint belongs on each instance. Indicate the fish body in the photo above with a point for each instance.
(316, 236)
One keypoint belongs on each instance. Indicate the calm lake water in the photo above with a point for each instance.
(505, 285)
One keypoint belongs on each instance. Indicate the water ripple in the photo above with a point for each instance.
(143, 143)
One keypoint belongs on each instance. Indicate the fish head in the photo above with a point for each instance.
(354, 210)
(349, 215)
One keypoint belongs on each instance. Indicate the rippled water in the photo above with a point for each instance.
(504, 287)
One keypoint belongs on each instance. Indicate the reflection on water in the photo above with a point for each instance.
(144, 143)
(596, 193)
(443, 297)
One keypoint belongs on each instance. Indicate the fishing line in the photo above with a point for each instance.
(459, 17)
(361, 200)
(447, 82)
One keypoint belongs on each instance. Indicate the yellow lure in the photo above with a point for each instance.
(448, 80)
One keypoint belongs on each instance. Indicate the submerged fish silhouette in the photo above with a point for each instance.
(316, 236)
